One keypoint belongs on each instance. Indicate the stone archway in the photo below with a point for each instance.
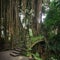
(39, 44)
(39, 47)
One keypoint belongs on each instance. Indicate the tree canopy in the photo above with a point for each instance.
(53, 17)
(52, 24)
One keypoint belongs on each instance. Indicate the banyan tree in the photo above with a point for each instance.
(16, 17)
(20, 24)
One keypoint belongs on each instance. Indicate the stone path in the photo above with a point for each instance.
(6, 56)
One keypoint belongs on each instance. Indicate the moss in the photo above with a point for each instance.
(36, 38)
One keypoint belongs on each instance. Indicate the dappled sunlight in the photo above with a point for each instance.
(30, 29)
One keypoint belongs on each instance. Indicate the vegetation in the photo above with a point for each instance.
(36, 56)
(52, 24)
(37, 38)
(23, 26)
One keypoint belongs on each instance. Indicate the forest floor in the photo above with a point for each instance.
(6, 56)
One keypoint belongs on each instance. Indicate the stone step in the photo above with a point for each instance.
(19, 50)
(16, 52)
(14, 55)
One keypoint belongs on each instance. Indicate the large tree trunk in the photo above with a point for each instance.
(37, 18)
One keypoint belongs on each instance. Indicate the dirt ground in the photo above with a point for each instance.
(6, 56)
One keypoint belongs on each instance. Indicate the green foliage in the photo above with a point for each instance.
(36, 56)
(52, 22)
(29, 53)
(55, 43)
(52, 58)
(53, 17)
(43, 9)
(36, 38)
(30, 32)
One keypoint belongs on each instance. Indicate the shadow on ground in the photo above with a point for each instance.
(6, 56)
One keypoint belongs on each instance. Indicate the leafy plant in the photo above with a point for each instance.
(52, 25)
(36, 56)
